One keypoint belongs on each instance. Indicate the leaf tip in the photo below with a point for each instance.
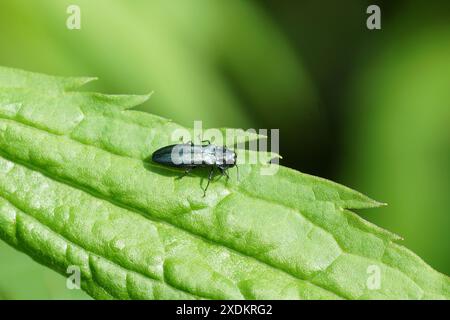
(76, 82)
(374, 204)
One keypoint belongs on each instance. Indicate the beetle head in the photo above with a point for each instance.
(227, 158)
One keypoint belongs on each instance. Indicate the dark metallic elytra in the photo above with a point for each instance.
(189, 156)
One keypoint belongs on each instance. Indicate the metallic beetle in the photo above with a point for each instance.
(189, 156)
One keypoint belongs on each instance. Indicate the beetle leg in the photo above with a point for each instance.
(209, 142)
(224, 172)
(188, 142)
(186, 172)
(209, 180)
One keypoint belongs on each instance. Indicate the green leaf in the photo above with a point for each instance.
(75, 189)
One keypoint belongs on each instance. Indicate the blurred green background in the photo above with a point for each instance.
(369, 109)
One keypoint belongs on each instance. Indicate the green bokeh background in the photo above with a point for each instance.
(369, 109)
